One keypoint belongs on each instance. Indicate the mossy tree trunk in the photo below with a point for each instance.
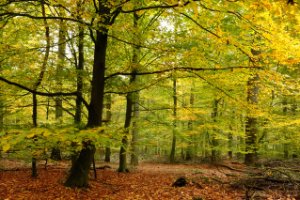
(135, 62)
(134, 142)
(128, 118)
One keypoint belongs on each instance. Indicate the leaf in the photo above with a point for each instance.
(31, 135)
(6, 147)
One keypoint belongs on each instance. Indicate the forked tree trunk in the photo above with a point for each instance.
(79, 173)
(78, 176)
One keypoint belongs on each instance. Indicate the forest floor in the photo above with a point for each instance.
(148, 181)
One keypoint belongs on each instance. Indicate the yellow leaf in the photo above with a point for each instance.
(46, 133)
(31, 135)
(6, 147)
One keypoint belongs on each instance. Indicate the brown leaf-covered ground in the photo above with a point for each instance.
(148, 181)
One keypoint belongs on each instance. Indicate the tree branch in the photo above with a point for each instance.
(252, 59)
(47, 94)
(13, 14)
(162, 6)
(180, 69)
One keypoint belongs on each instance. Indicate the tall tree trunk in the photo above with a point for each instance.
(59, 67)
(214, 141)
(284, 131)
(37, 84)
(173, 146)
(135, 62)
(79, 71)
(134, 143)
(56, 154)
(294, 110)
(189, 151)
(230, 135)
(78, 176)
(128, 118)
(230, 145)
(251, 120)
(34, 173)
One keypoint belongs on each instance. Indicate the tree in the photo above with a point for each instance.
(79, 172)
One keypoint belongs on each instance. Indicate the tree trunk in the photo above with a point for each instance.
(173, 146)
(34, 173)
(78, 176)
(251, 121)
(230, 135)
(230, 145)
(80, 169)
(189, 151)
(1, 113)
(55, 153)
(108, 119)
(79, 70)
(284, 131)
(128, 118)
(37, 84)
(134, 143)
(135, 62)
(107, 154)
(214, 152)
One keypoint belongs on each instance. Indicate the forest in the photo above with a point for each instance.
(149, 99)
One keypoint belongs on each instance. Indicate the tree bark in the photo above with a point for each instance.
(189, 151)
(135, 62)
(128, 118)
(37, 84)
(173, 146)
(56, 153)
(1, 113)
(214, 141)
(134, 143)
(79, 70)
(108, 119)
(251, 121)
(284, 131)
